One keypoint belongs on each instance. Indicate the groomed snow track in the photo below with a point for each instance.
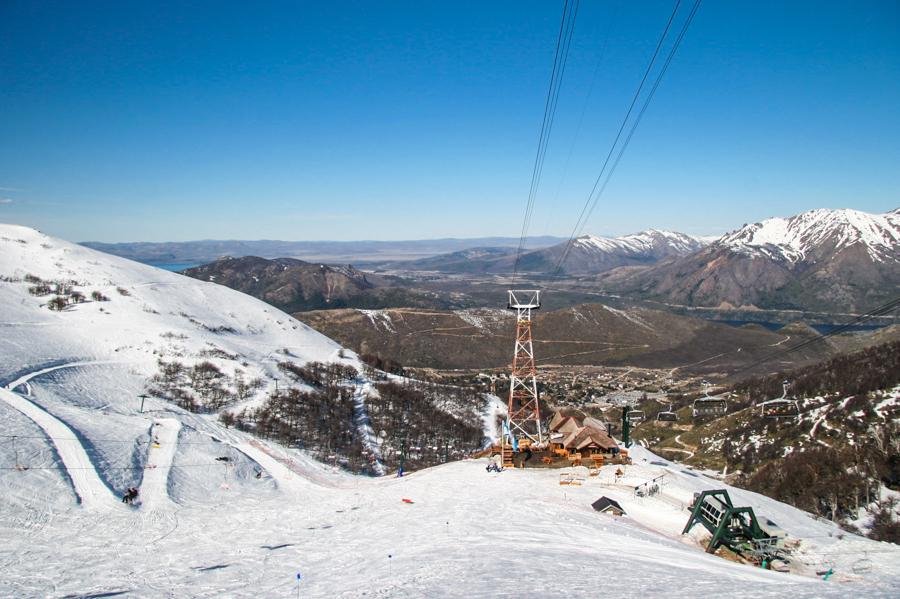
(91, 491)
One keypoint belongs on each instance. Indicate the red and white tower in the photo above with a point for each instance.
(524, 417)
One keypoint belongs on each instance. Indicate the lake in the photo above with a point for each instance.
(822, 329)
(175, 266)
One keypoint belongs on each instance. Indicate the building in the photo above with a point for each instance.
(576, 434)
(608, 506)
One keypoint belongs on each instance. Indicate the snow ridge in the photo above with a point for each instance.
(645, 242)
(799, 237)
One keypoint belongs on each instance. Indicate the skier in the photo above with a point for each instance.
(130, 496)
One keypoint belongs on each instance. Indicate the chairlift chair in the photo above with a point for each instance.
(863, 566)
(709, 406)
(782, 407)
(667, 415)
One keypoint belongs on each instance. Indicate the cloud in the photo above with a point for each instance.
(5, 201)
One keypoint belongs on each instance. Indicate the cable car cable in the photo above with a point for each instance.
(594, 197)
(638, 119)
(563, 42)
(612, 148)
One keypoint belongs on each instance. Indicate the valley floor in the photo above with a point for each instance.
(221, 514)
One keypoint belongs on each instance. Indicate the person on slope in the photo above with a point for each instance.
(130, 496)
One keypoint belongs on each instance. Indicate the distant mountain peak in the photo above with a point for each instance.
(653, 241)
(811, 234)
(823, 260)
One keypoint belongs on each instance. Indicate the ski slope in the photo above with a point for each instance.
(245, 527)
(154, 493)
(223, 514)
(466, 534)
(151, 314)
(91, 491)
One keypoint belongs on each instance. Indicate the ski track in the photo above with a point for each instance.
(364, 425)
(91, 491)
(154, 485)
(688, 449)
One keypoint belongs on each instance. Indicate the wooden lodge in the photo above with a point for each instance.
(582, 439)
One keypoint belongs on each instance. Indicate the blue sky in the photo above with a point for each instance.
(414, 120)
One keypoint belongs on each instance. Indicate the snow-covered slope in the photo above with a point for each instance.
(150, 314)
(811, 234)
(450, 531)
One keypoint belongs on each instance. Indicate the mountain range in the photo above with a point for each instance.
(217, 508)
(587, 254)
(293, 285)
(332, 252)
(832, 261)
(822, 260)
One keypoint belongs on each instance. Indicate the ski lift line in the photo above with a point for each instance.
(559, 62)
(587, 97)
(563, 41)
(581, 221)
(552, 113)
(640, 115)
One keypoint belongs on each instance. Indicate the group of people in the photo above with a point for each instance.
(130, 495)
(494, 464)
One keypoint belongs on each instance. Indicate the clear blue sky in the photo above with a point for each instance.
(127, 121)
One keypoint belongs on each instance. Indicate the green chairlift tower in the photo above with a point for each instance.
(734, 527)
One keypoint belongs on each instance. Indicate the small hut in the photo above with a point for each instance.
(608, 506)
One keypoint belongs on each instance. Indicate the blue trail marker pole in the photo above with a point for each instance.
(299, 578)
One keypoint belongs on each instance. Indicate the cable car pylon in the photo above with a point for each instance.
(523, 421)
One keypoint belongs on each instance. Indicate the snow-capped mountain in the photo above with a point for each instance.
(820, 233)
(652, 243)
(590, 254)
(826, 260)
